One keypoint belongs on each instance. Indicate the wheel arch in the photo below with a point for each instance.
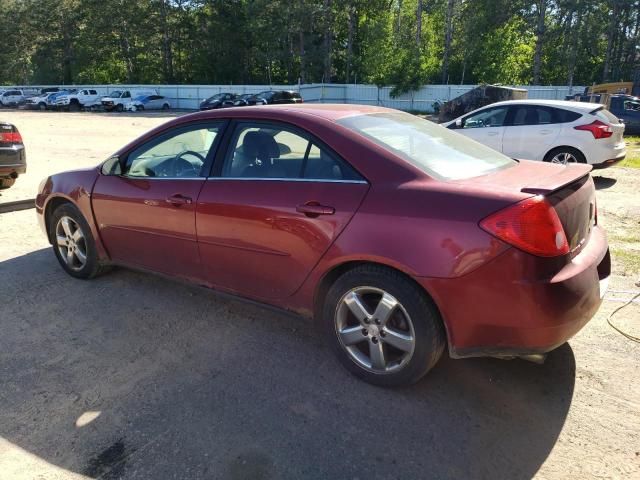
(50, 207)
(560, 147)
(332, 274)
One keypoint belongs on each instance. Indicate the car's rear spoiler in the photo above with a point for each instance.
(546, 185)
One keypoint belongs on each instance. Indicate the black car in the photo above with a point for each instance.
(275, 97)
(13, 159)
(243, 100)
(219, 100)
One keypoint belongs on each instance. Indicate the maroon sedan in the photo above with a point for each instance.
(401, 237)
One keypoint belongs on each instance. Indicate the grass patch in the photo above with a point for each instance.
(633, 153)
(629, 259)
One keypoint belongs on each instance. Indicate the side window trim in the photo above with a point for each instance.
(171, 132)
(233, 126)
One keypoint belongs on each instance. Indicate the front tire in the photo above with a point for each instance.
(6, 183)
(382, 326)
(73, 243)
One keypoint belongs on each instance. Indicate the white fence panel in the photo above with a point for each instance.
(189, 96)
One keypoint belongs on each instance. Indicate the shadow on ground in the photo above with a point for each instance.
(604, 182)
(186, 384)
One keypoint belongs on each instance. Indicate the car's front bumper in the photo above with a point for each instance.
(513, 306)
(13, 161)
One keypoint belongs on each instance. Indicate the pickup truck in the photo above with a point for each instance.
(13, 159)
(117, 99)
(625, 107)
(77, 101)
(12, 97)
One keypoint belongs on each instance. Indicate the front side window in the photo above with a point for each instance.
(491, 117)
(632, 106)
(274, 151)
(437, 151)
(181, 154)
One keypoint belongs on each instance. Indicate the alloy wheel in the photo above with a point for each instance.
(563, 158)
(375, 330)
(71, 243)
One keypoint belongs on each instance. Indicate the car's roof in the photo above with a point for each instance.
(327, 111)
(583, 106)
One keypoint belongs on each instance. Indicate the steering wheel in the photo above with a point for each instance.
(184, 168)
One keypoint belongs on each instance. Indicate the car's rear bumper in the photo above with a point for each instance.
(609, 163)
(13, 161)
(497, 311)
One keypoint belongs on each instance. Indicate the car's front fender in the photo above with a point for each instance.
(70, 187)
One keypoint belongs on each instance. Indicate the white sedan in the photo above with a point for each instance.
(148, 102)
(548, 130)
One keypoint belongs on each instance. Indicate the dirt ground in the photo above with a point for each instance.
(135, 376)
(59, 141)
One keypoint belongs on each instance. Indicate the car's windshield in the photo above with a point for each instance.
(265, 95)
(141, 98)
(437, 151)
(217, 96)
(115, 93)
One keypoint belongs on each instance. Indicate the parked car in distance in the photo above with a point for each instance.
(555, 131)
(46, 90)
(117, 99)
(78, 100)
(148, 102)
(12, 98)
(52, 99)
(39, 102)
(275, 97)
(627, 109)
(13, 157)
(401, 237)
(243, 100)
(219, 100)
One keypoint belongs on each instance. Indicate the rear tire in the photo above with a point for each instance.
(564, 156)
(398, 336)
(73, 243)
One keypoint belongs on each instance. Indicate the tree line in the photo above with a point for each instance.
(404, 43)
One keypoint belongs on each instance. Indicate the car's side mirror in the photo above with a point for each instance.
(113, 166)
(459, 123)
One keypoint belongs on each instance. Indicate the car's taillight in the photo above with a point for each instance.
(598, 129)
(531, 225)
(10, 137)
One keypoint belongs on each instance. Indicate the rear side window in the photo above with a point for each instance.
(437, 151)
(277, 152)
(604, 114)
(565, 116)
(540, 115)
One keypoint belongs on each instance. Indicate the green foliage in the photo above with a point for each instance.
(276, 41)
(506, 54)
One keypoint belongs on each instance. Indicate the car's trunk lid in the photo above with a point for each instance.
(569, 189)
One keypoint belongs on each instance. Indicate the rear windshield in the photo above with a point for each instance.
(604, 114)
(432, 148)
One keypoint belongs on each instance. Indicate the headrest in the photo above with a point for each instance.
(260, 145)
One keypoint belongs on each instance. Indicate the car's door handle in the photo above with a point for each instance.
(314, 209)
(178, 200)
(545, 132)
(492, 134)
